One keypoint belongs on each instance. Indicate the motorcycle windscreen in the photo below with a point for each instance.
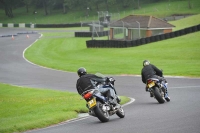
(100, 75)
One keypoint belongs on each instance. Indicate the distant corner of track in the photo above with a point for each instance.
(169, 76)
(37, 64)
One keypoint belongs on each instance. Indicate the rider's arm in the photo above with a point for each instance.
(158, 71)
(98, 79)
(78, 86)
(78, 89)
(143, 78)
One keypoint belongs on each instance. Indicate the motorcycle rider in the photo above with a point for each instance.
(90, 81)
(151, 71)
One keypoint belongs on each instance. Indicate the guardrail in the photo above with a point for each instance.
(142, 41)
(21, 25)
(89, 34)
(19, 33)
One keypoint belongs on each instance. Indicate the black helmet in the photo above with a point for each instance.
(81, 71)
(146, 62)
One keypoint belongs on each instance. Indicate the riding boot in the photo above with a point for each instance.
(113, 101)
(151, 95)
(118, 99)
(146, 89)
(165, 87)
(166, 93)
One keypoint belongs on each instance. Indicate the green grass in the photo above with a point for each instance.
(186, 22)
(28, 108)
(166, 8)
(178, 56)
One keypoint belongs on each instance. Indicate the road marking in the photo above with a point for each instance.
(74, 120)
(184, 87)
(84, 117)
(37, 64)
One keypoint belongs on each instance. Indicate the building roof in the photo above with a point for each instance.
(133, 21)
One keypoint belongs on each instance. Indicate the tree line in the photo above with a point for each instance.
(67, 5)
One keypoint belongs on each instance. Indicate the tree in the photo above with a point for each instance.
(67, 4)
(44, 2)
(7, 4)
(70, 4)
(108, 3)
(27, 3)
(138, 4)
(189, 4)
(97, 2)
(126, 3)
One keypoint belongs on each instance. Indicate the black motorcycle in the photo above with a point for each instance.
(157, 90)
(98, 103)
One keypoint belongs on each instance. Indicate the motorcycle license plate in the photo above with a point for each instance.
(151, 84)
(91, 103)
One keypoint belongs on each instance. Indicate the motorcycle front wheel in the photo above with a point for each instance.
(158, 95)
(120, 112)
(102, 115)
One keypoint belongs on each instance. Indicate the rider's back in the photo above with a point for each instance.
(148, 71)
(85, 82)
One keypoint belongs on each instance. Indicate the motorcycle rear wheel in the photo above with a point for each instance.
(158, 95)
(100, 114)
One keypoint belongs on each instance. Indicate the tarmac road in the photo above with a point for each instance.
(145, 115)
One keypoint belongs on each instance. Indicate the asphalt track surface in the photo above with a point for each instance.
(144, 115)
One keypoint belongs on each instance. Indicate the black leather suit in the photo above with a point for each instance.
(151, 71)
(89, 81)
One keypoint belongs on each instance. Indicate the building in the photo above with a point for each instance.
(135, 27)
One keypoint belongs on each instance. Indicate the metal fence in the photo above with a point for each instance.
(120, 31)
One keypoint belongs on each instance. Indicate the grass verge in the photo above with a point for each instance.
(28, 108)
(178, 56)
